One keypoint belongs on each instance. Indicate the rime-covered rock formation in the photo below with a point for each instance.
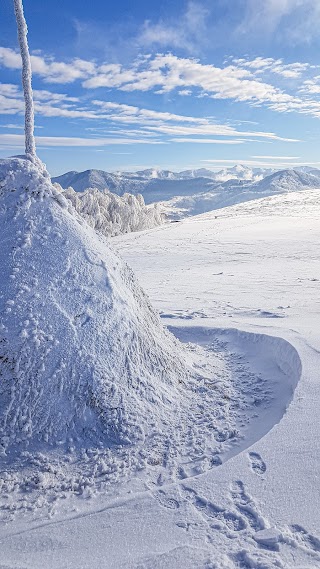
(84, 359)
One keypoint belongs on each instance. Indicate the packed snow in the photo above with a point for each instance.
(126, 446)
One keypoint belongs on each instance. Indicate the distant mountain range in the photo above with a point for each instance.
(235, 191)
(194, 191)
(157, 185)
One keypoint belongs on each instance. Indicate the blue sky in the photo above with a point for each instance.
(129, 85)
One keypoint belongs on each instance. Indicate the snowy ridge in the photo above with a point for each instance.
(117, 180)
(234, 192)
(156, 184)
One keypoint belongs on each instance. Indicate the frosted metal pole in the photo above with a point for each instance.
(30, 145)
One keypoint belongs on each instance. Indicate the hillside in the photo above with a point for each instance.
(231, 192)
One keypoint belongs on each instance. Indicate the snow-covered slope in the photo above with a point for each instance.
(233, 192)
(244, 287)
(84, 358)
(81, 181)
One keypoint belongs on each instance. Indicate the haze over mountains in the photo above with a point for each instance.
(191, 192)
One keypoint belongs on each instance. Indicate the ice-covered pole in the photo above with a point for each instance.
(30, 144)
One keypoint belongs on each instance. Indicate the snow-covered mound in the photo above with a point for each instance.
(84, 358)
(113, 215)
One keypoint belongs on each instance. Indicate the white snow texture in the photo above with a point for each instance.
(85, 358)
(114, 215)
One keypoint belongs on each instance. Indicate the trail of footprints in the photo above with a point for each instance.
(217, 517)
(243, 518)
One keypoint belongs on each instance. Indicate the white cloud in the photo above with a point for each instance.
(12, 126)
(257, 163)
(311, 86)
(277, 66)
(207, 140)
(50, 70)
(277, 157)
(147, 123)
(163, 74)
(213, 129)
(17, 140)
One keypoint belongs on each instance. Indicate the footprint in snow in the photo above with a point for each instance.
(257, 464)
(246, 506)
(166, 501)
(304, 538)
(211, 512)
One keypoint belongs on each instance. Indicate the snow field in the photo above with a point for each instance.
(227, 478)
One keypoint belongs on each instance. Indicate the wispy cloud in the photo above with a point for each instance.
(259, 163)
(144, 123)
(207, 141)
(17, 140)
(296, 20)
(12, 126)
(271, 65)
(189, 31)
(276, 157)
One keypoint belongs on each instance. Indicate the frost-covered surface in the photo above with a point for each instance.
(26, 80)
(240, 490)
(113, 215)
(85, 359)
(256, 269)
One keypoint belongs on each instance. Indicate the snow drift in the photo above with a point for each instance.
(84, 358)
